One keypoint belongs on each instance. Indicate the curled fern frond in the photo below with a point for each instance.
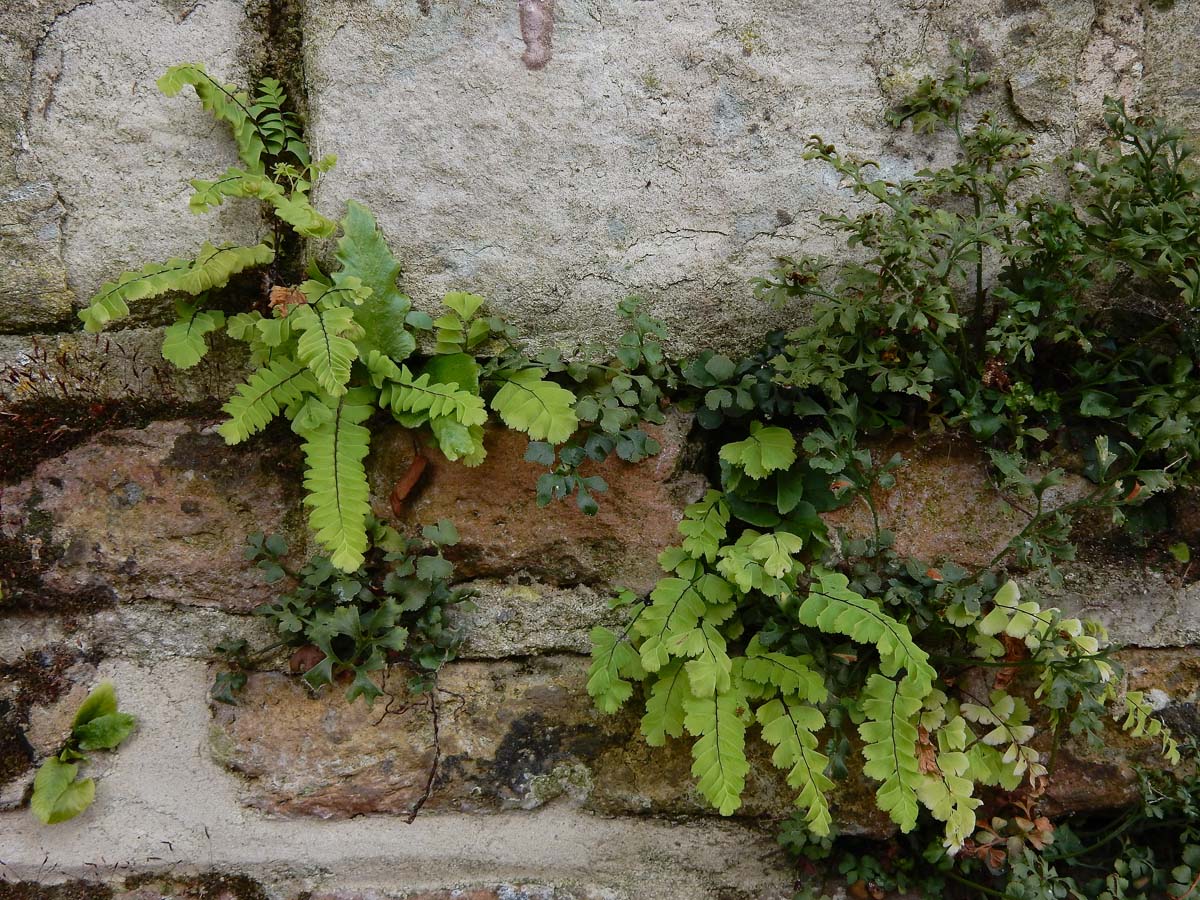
(226, 102)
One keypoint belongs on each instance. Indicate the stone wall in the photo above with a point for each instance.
(554, 155)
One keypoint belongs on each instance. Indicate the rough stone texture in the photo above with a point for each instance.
(944, 505)
(494, 506)
(123, 366)
(1172, 80)
(522, 619)
(512, 734)
(162, 803)
(159, 513)
(658, 148)
(94, 161)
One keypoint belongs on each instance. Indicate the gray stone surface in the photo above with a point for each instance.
(161, 801)
(657, 151)
(94, 162)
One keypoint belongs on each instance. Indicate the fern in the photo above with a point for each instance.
(614, 663)
(326, 344)
(425, 399)
(212, 268)
(1140, 722)
(364, 254)
(183, 342)
(766, 450)
(791, 728)
(256, 402)
(790, 674)
(227, 103)
(890, 744)
(948, 792)
(664, 705)
(543, 410)
(835, 609)
(336, 480)
(704, 526)
(676, 605)
(292, 207)
(719, 752)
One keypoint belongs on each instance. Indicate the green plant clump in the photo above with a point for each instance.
(59, 793)
(397, 608)
(966, 311)
(333, 351)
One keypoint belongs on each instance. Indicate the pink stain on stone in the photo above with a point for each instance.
(537, 30)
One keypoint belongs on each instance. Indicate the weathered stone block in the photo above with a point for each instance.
(159, 513)
(494, 506)
(94, 161)
(558, 156)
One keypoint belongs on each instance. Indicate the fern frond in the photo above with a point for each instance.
(719, 753)
(364, 254)
(664, 705)
(704, 526)
(323, 345)
(834, 608)
(709, 668)
(614, 663)
(676, 605)
(890, 745)
(543, 410)
(1007, 717)
(948, 792)
(183, 341)
(294, 208)
(212, 268)
(768, 449)
(790, 674)
(791, 729)
(227, 103)
(256, 402)
(428, 398)
(336, 480)
(1140, 722)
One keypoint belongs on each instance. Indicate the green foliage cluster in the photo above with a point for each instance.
(1149, 850)
(398, 607)
(59, 793)
(965, 309)
(336, 350)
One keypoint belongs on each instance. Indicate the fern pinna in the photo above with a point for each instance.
(758, 629)
(331, 352)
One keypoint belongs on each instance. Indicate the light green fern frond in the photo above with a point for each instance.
(293, 207)
(790, 674)
(430, 399)
(336, 479)
(834, 608)
(543, 410)
(614, 663)
(704, 526)
(255, 403)
(664, 705)
(1140, 722)
(768, 449)
(326, 344)
(890, 745)
(676, 605)
(226, 102)
(719, 753)
(364, 254)
(183, 341)
(791, 728)
(212, 268)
